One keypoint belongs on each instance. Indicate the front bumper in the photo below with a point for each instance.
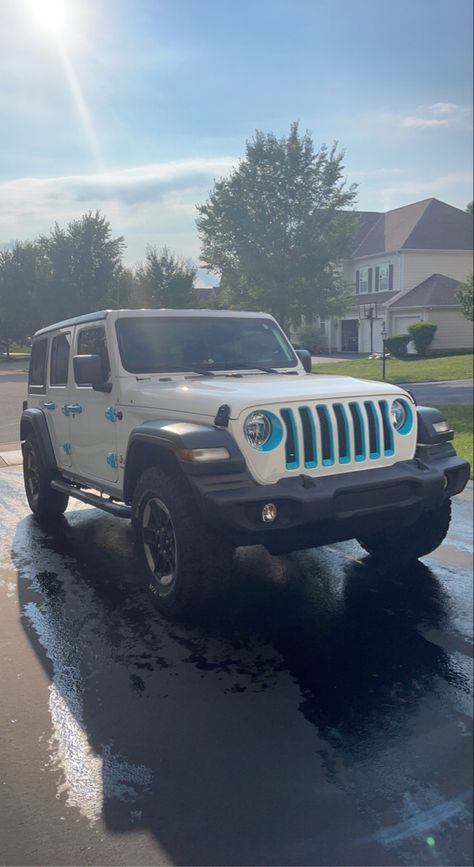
(319, 511)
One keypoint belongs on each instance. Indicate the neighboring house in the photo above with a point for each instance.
(406, 266)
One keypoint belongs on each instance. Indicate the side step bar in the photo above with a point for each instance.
(117, 509)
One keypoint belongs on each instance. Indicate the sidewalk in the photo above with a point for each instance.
(10, 455)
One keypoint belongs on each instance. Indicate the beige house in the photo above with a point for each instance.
(406, 266)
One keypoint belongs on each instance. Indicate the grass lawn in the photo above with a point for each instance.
(17, 352)
(412, 369)
(460, 419)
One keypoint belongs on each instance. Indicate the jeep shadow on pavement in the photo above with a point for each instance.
(199, 732)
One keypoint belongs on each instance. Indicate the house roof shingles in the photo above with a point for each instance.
(426, 225)
(436, 291)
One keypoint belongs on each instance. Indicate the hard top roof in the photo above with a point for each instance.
(119, 314)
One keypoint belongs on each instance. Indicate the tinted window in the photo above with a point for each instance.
(59, 360)
(149, 344)
(37, 373)
(92, 342)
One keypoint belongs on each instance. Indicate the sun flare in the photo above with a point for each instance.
(50, 14)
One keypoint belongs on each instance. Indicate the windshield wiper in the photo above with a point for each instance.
(263, 369)
(202, 371)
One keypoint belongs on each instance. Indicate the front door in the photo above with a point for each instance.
(93, 432)
(349, 335)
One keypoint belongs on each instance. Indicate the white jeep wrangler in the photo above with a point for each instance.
(209, 431)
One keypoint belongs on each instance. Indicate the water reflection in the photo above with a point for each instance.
(151, 718)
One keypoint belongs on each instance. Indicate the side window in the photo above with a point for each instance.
(92, 342)
(37, 372)
(59, 360)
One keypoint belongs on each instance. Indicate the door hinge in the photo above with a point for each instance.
(112, 460)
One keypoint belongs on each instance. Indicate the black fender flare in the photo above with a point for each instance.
(427, 435)
(175, 436)
(34, 419)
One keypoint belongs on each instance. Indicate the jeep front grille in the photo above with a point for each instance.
(337, 433)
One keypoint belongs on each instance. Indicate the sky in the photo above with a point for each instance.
(136, 107)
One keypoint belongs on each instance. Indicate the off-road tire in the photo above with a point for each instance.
(43, 501)
(410, 543)
(202, 559)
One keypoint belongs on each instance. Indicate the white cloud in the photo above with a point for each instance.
(435, 116)
(453, 187)
(153, 203)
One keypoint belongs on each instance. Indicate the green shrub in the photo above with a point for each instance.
(310, 337)
(397, 345)
(422, 334)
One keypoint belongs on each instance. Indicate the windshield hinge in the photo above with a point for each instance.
(222, 416)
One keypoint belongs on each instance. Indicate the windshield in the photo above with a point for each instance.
(156, 344)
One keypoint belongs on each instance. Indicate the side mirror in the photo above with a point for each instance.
(305, 358)
(89, 370)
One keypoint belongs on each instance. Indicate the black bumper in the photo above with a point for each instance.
(319, 511)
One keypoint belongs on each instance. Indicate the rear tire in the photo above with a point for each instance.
(42, 500)
(410, 543)
(181, 560)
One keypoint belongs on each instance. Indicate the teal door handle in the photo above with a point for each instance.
(75, 408)
(49, 404)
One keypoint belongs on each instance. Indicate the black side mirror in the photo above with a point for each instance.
(305, 358)
(89, 370)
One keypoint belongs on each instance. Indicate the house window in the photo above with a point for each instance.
(363, 280)
(384, 278)
(383, 284)
(322, 326)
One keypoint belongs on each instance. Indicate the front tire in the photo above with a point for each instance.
(180, 558)
(410, 543)
(42, 500)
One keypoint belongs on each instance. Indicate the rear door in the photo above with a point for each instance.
(93, 431)
(55, 406)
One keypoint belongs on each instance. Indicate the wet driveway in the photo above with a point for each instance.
(320, 711)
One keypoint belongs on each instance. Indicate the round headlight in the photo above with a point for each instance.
(399, 414)
(257, 429)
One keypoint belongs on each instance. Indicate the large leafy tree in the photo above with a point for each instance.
(19, 277)
(83, 267)
(276, 228)
(465, 295)
(166, 280)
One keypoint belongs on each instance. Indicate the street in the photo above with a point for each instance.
(318, 712)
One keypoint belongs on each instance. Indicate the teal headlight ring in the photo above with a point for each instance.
(276, 435)
(408, 423)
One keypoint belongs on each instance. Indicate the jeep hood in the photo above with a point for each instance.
(204, 396)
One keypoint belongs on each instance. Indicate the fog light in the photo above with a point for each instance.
(269, 513)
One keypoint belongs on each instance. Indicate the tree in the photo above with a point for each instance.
(465, 296)
(82, 264)
(470, 207)
(165, 280)
(19, 274)
(276, 228)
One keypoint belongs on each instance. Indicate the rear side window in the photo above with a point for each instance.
(92, 342)
(59, 360)
(37, 372)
